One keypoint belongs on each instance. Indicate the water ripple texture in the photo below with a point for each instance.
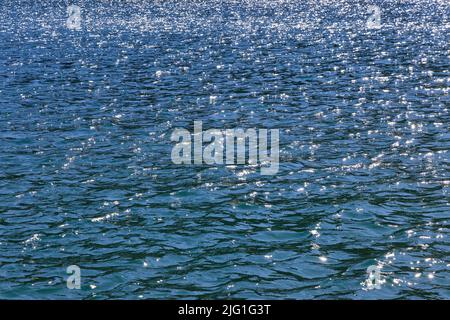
(86, 177)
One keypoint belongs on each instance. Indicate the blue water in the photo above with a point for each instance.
(86, 176)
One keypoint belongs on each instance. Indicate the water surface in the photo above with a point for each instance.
(85, 171)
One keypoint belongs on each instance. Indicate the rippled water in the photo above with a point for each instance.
(86, 176)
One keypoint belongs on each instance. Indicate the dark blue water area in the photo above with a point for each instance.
(87, 179)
